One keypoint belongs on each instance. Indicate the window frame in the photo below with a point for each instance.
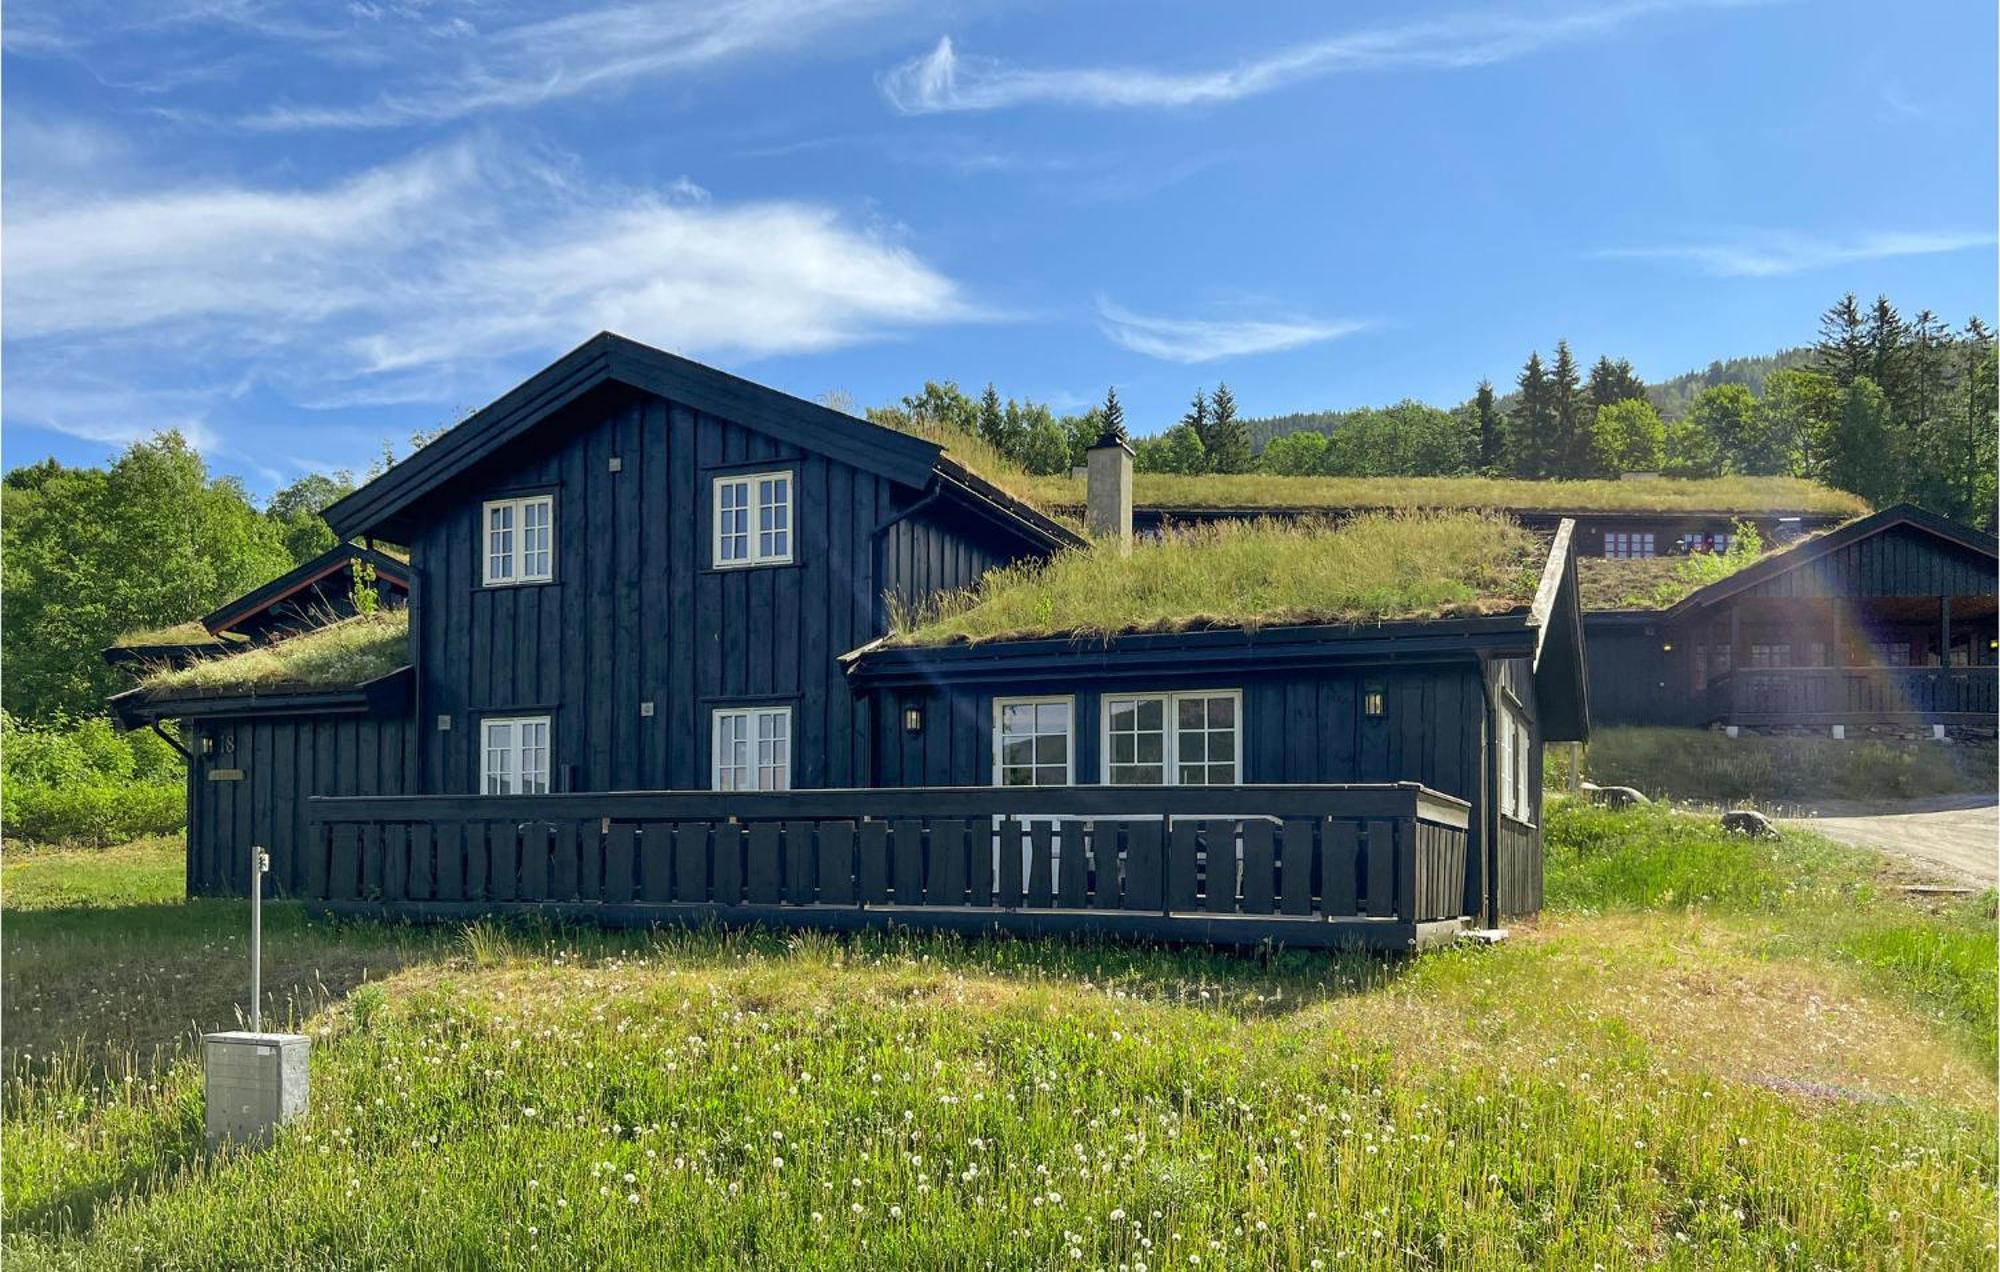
(1170, 761)
(751, 712)
(1000, 704)
(1630, 545)
(516, 750)
(517, 550)
(752, 532)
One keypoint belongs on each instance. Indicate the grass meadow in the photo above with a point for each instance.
(1709, 1053)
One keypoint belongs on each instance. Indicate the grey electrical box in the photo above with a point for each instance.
(255, 1082)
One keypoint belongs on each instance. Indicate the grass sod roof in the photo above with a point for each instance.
(188, 633)
(1639, 494)
(347, 654)
(1249, 574)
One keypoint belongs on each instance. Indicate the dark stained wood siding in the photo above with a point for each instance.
(1899, 561)
(637, 614)
(1297, 727)
(283, 761)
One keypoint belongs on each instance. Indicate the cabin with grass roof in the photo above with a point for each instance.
(675, 647)
(1884, 626)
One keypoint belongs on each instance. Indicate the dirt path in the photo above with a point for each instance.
(1956, 834)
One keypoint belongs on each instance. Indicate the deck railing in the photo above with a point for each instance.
(1382, 865)
(1851, 695)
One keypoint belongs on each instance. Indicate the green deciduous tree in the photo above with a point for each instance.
(1178, 450)
(91, 553)
(295, 510)
(1628, 436)
(1301, 454)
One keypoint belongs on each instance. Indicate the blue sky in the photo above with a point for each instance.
(298, 231)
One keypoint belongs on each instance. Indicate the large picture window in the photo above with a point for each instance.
(753, 519)
(514, 755)
(1033, 743)
(753, 749)
(520, 541)
(1189, 739)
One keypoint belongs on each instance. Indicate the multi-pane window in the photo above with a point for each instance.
(1628, 543)
(514, 755)
(1772, 655)
(753, 749)
(1186, 738)
(520, 541)
(1891, 653)
(753, 519)
(1032, 742)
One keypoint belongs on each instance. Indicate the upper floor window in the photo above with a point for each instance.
(753, 749)
(514, 755)
(1190, 739)
(520, 541)
(753, 519)
(1032, 742)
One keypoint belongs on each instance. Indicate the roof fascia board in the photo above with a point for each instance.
(297, 579)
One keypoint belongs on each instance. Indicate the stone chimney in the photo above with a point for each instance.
(1108, 487)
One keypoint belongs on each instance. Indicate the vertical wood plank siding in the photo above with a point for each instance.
(1320, 865)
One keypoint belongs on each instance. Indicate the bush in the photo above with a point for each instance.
(83, 782)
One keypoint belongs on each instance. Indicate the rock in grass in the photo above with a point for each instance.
(1614, 796)
(1747, 821)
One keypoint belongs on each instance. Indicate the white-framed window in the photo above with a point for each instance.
(752, 749)
(1777, 654)
(1034, 743)
(753, 519)
(1515, 754)
(1628, 544)
(1184, 738)
(519, 541)
(514, 755)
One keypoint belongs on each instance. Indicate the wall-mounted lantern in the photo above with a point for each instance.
(207, 744)
(1667, 648)
(913, 718)
(1374, 703)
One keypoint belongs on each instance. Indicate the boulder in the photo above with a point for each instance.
(1748, 821)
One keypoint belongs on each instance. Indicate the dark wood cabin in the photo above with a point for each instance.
(1885, 623)
(631, 584)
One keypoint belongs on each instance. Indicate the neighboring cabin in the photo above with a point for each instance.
(634, 573)
(1884, 625)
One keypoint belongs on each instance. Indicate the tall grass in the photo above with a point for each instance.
(1263, 490)
(344, 654)
(1698, 764)
(1254, 573)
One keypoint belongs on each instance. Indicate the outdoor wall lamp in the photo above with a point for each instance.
(1374, 704)
(207, 745)
(1667, 648)
(913, 718)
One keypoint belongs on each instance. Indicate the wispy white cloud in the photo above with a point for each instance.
(945, 80)
(441, 263)
(1763, 255)
(600, 49)
(1209, 339)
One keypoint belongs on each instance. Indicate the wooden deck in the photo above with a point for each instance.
(1380, 866)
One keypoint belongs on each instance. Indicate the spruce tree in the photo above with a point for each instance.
(1527, 446)
(1111, 419)
(992, 424)
(1569, 413)
(1197, 418)
(1889, 361)
(1230, 452)
(1842, 351)
(1487, 415)
(1614, 382)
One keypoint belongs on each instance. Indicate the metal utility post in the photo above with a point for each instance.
(260, 865)
(255, 1080)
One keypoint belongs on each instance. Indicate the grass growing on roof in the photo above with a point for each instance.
(1638, 494)
(1263, 573)
(188, 633)
(341, 656)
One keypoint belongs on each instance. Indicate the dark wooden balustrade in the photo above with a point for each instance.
(1304, 865)
(1853, 695)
